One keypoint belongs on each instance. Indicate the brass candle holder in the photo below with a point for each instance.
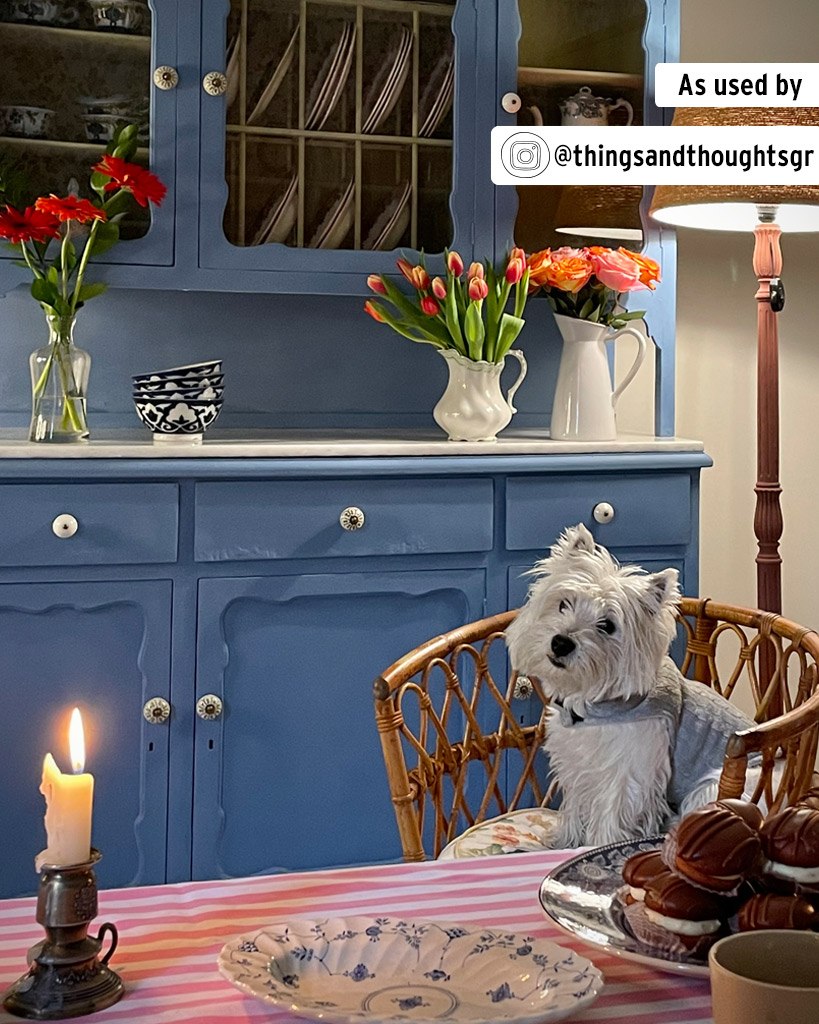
(66, 976)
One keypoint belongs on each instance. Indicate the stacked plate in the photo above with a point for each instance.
(271, 79)
(280, 218)
(337, 221)
(179, 404)
(392, 222)
(329, 84)
(437, 97)
(388, 83)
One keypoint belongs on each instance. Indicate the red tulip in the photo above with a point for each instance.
(438, 288)
(515, 270)
(476, 271)
(455, 264)
(406, 268)
(370, 308)
(376, 284)
(518, 254)
(420, 279)
(478, 289)
(430, 306)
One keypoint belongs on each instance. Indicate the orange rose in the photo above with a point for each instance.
(649, 269)
(538, 263)
(569, 274)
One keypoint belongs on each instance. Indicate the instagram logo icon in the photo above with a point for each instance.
(524, 155)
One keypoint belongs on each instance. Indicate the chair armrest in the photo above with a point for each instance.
(776, 731)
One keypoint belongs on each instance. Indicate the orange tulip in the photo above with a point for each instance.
(478, 289)
(406, 268)
(430, 306)
(455, 264)
(370, 308)
(515, 270)
(476, 271)
(375, 283)
(438, 288)
(419, 279)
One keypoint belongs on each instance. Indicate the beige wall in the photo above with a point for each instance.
(716, 344)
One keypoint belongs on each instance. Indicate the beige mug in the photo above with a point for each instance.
(765, 977)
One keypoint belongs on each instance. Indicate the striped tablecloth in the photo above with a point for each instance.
(170, 936)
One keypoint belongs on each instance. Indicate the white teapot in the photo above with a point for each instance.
(584, 109)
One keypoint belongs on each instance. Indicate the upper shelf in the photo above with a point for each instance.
(573, 76)
(59, 35)
(90, 149)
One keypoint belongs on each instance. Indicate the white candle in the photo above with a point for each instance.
(69, 800)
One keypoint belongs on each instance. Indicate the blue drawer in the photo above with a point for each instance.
(654, 509)
(115, 523)
(300, 519)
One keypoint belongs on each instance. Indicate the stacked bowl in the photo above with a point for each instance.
(180, 404)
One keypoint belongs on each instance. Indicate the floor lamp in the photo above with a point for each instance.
(768, 210)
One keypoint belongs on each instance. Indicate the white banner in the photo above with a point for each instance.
(736, 85)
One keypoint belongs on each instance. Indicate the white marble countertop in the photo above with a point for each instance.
(265, 444)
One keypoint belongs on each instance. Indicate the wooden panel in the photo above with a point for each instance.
(117, 524)
(300, 519)
(649, 509)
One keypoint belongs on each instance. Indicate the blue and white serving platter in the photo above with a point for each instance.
(394, 969)
(579, 895)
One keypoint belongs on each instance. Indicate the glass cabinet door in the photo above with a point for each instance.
(73, 72)
(580, 62)
(333, 143)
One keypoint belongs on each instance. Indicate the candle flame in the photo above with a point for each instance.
(76, 742)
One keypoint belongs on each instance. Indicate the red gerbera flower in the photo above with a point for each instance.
(142, 185)
(29, 226)
(70, 208)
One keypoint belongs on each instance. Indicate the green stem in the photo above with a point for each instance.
(64, 260)
(27, 258)
(89, 245)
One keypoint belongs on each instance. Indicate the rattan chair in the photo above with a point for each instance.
(460, 749)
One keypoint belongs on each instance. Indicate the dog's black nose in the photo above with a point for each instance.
(562, 645)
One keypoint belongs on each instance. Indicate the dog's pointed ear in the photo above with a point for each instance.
(662, 590)
(574, 540)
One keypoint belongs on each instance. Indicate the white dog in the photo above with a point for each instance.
(632, 742)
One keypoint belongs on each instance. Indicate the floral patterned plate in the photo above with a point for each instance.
(520, 831)
(391, 969)
(579, 895)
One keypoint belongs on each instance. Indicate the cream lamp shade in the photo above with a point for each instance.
(610, 212)
(735, 207)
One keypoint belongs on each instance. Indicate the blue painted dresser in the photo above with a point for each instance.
(221, 587)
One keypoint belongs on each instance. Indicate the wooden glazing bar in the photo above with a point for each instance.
(302, 115)
(242, 44)
(359, 114)
(343, 137)
(416, 81)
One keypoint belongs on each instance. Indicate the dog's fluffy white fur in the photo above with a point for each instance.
(593, 631)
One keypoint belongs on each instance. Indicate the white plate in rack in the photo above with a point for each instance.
(329, 82)
(276, 79)
(232, 72)
(353, 970)
(388, 83)
(278, 223)
(392, 222)
(337, 221)
(437, 95)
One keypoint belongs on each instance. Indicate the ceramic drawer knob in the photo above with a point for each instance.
(603, 512)
(166, 77)
(209, 707)
(351, 518)
(523, 688)
(156, 710)
(65, 526)
(215, 83)
(511, 103)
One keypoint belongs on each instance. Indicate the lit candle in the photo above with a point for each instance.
(69, 800)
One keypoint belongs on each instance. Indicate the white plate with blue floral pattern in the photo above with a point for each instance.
(580, 896)
(391, 968)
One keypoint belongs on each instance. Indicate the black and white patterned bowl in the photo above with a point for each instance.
(178, 383)
(183, 420)
(192, 370)
(206, 394)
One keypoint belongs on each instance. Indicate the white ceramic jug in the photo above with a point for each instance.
(584, 110)
(473, 408)
(584, 404)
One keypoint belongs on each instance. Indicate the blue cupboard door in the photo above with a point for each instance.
(317, 168)
(77, 72)
(105, 648)
(291, 775)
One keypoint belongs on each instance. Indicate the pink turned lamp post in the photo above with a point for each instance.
(767, 210)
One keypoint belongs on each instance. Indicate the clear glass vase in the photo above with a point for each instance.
(59, 382)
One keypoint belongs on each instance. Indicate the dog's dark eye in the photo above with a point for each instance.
(606, 626)
(564, 606)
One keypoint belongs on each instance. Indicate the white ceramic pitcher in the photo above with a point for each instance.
(473, 408)
(584, 404)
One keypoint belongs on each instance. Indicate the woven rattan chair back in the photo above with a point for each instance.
(457, 751)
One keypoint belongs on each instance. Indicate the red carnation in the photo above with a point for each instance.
(144, 186)
(70, 208)
(28, 226)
